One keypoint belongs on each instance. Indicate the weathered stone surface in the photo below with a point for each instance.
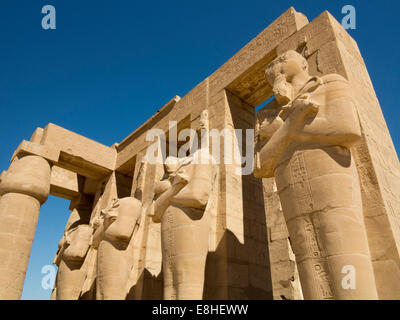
(64, 183)
(33, 148)
(79, 153)
(330, 49)
(239, 231)
(306, 147)
(23, 188)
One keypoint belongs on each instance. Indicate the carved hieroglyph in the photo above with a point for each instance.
(304, 142)
(249, 254)
(181, 198)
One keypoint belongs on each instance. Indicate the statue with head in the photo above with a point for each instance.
(303, 140)
(287, 74)
(180, 205)
(115, 232)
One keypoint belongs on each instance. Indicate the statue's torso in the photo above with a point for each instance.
(184, 224)
(313, 176)
(314, 179)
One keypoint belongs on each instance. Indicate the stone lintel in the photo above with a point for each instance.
(66, 160)
(70, 151)
(64, 183)
(32, 148)
(82, 202)
(242, 74)
(79, 148)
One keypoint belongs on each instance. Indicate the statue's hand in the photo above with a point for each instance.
(181, 178)
(161, 186)
(268, 127)
(303, 108)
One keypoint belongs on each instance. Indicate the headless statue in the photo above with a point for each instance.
(70, 257)
(305, 144)
(180, 202)
(113, 234)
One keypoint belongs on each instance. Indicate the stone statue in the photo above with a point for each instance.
(304, 142)
(181, 198)
(112, 236)
(70, 257)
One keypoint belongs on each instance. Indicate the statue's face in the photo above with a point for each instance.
(202, 123)
(204, 119)
(292, 68)
(284, 88)
(283, 91)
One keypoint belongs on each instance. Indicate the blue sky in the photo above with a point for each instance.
(110, 65)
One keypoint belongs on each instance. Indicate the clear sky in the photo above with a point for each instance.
(110, 65)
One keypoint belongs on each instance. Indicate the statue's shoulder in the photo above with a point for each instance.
(336, 86)
(333, 77)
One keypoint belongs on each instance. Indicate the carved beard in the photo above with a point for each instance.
(283, 92)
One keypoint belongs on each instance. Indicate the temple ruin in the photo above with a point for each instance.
(121, 242)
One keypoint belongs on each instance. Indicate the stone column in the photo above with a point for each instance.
(23, 189)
